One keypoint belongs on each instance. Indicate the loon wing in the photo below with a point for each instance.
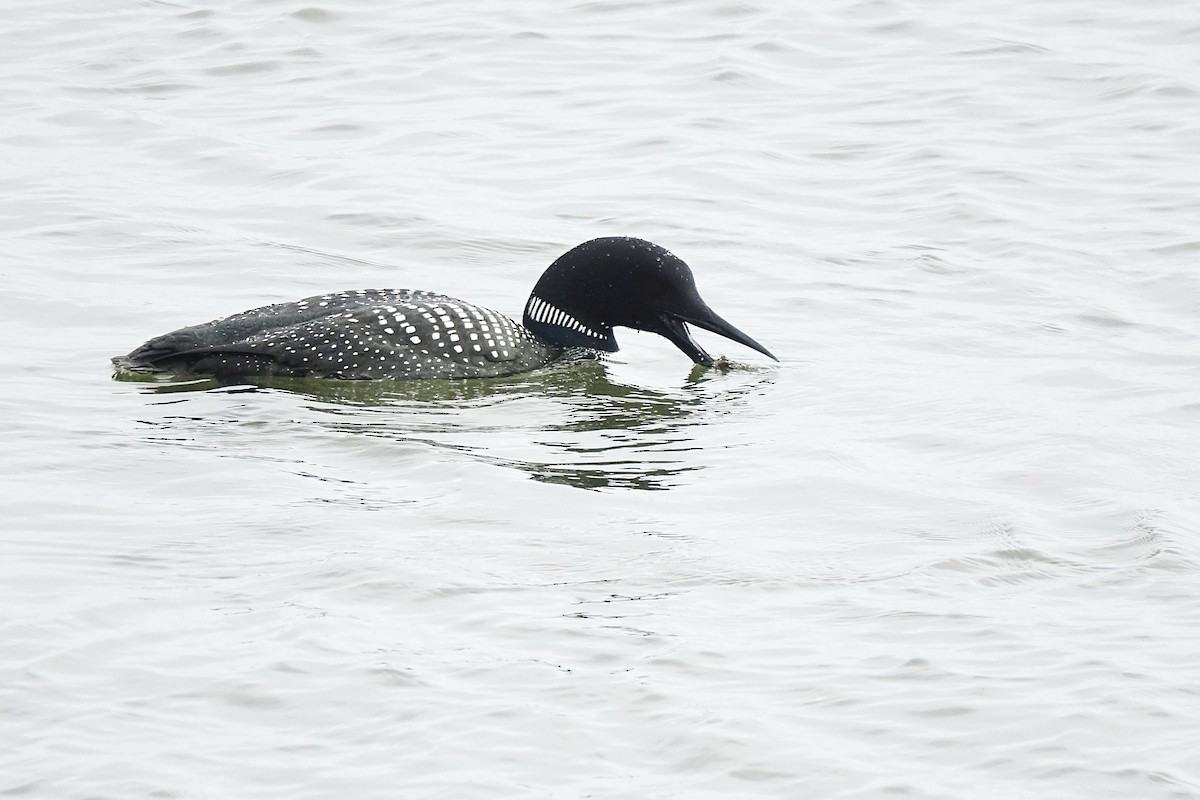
(424, 334)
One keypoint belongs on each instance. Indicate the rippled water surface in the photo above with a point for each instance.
(949, 547)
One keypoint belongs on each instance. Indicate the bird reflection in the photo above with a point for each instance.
(581, 428)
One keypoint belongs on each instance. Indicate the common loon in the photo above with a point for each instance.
(405, 334)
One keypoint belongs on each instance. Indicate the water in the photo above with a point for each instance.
(948, 548)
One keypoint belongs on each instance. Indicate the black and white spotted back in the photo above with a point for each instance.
(366, 334)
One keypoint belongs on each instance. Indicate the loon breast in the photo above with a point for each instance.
(359, 335)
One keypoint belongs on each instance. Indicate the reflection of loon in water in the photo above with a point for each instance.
(598, 434)
(570, 424)
(405, 334)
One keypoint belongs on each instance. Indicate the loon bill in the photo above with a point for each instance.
(405, 334)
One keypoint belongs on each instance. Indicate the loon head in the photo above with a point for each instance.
(622, 281)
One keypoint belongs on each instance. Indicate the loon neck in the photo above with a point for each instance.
(566, 328)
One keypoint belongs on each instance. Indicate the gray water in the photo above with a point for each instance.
(949, 547)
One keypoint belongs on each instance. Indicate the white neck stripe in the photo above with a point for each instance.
(542, 311)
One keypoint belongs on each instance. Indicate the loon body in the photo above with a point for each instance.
(405, 334)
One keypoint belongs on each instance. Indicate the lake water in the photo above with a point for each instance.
(948, 547)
